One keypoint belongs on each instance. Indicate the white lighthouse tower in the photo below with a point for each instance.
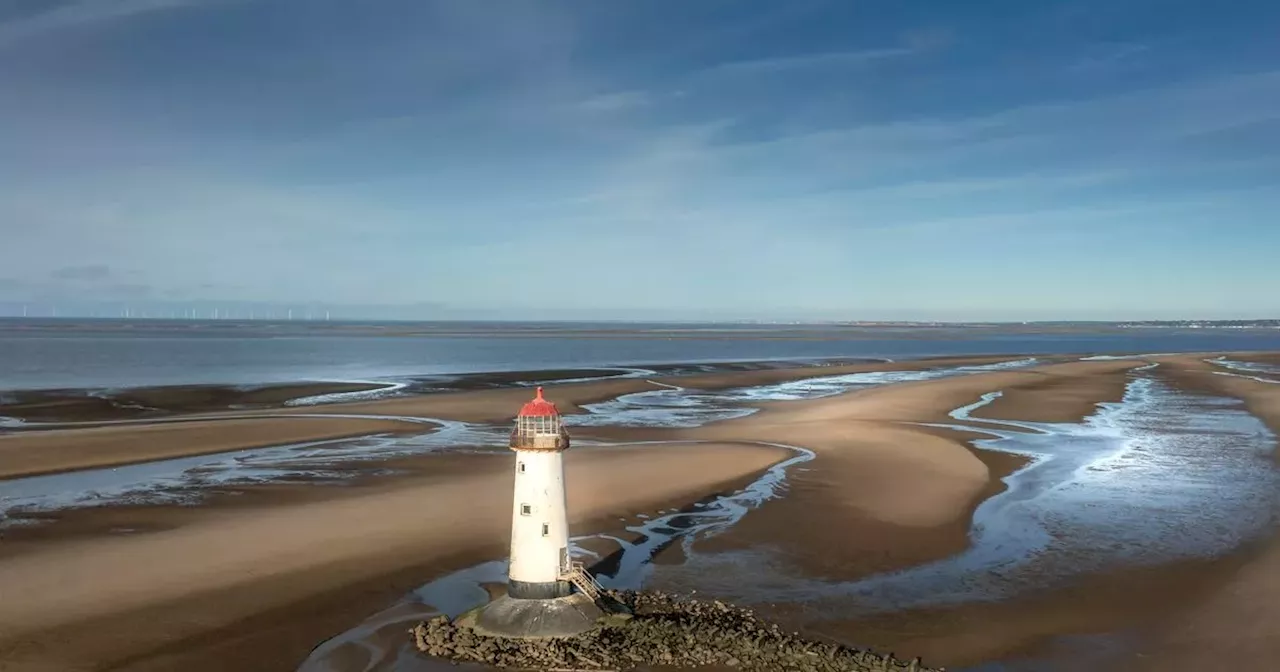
(539, 518)
(548, 595)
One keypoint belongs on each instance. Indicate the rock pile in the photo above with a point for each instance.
(664, 631)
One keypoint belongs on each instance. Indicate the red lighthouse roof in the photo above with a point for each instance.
(538, 407)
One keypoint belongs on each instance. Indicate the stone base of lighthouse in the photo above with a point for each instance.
(533, 619)
(527, 590)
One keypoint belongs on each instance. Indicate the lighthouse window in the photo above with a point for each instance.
(546, 529)
(520, 467)
(526, 509)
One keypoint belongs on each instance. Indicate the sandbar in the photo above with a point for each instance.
(902, 493)
(1237, 625)
(255, 587)
(152, 601)
(59, 450)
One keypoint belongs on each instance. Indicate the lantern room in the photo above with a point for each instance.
(538, 427)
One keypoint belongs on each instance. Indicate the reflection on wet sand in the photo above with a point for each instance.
(380, 639)
(1135, 483)
(186, 480)
(1259, 371)
(673, 406)
(1138, 481)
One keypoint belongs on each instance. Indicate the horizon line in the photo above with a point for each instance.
(722, 321)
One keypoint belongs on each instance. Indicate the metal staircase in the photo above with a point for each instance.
(577, 574)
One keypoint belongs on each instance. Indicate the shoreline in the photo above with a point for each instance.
(1128, 616)
(68, 446)
(64, 451)
(365, 539)
(35, 556)
(94, 403)
(940, 475)
(877, 475)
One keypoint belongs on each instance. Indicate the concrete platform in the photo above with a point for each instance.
(535, 619)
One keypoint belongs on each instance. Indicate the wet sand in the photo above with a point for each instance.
(256, 586)
(88, 405)
(62, 450)
(1057, 396)
(47, 451)
(1272, 358)
(157, 601)
(1236, 625)
(223, 565)
(904, 494)
(922, 513)
(1079, 627)
(879, 494)
(496, 405)
(887, 515)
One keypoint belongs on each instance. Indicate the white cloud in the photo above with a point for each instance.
(541, 155)
(831, 59)
(1125, 127)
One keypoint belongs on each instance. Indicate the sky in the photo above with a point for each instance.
(709, 159)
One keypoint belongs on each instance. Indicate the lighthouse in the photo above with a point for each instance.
(548, 594)
(539, 563)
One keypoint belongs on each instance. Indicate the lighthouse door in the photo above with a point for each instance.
(565, 563)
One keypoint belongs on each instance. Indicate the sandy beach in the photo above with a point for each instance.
(256, 584)
(223, 569)
(1239, 620)
(636, 336)
(72, 449)
(169, 435)
(904, 493)
(1188, 615)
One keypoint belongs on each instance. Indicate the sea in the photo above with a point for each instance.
(78, 353)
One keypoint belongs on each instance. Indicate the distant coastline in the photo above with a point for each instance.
(67, 353)
(495, 326)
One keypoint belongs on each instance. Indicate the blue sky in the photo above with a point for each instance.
(713, 158)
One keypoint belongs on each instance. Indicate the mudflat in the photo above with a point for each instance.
(1236, 625)
(319, 565)
(883, 494)
(900, 493)
(255, 586)
(59, 450)
(126, 602)
(166, 436)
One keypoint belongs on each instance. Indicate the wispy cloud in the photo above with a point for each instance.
(830, 59)
(388, 140)
(80, 13)
(1036, 165)
(1138, 121)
